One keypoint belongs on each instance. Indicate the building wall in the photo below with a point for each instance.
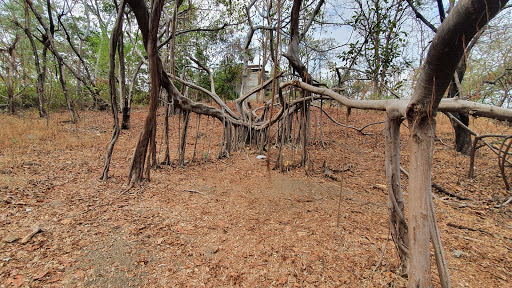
(253, 75)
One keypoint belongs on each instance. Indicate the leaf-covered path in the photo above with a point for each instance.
(230, 222)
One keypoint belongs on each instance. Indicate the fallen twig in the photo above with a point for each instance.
(504, 203)
(440, 188)
(329, 173)
(467, 228)
(195, 191)
(449, 193)
(228, 163)
(30, 235)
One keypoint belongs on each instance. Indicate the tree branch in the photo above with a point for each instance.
(421, 17)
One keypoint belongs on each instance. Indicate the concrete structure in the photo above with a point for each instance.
(253, 76)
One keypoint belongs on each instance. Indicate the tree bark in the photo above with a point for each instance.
(138, 158)
(10, 74)
(183, 142)
(462, 136)
(442, 59)
(420, 183)
(397, 223)
(123, 96)
(40, 75)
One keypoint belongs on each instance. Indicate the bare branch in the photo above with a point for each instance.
(312, 18)
(421, 17)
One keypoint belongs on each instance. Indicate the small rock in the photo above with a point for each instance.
(261, 157)
(32, 137)
(457, 253)
(10, 238)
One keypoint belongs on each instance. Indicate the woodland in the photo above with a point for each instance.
(133, 140)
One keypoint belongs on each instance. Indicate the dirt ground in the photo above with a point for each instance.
(231, 222)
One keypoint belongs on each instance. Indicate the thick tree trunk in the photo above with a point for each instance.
(420, 189)
(137, 163)
(442, 59)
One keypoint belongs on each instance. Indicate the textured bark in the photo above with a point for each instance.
(123, 95)
(397, 223)
(150, 42)
(442, 59)
(462, 136)
(293, 48)
(420, 182)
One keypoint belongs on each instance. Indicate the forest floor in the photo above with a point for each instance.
(232, 222)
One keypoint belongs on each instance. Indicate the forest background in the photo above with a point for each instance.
(63, 55)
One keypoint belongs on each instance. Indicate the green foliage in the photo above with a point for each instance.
(227, 77)
(379, 49)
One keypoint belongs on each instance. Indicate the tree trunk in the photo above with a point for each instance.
(462, 136)
(183, 142)
(197, 136)
(10, 79)
(444, 54)
(69, 102)
(167, 156)
(114, 41)
(40, 75)
(123, 96)
(137, 163)
(397, 223)
(420, 189)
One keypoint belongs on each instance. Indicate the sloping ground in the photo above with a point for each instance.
(231, 222)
